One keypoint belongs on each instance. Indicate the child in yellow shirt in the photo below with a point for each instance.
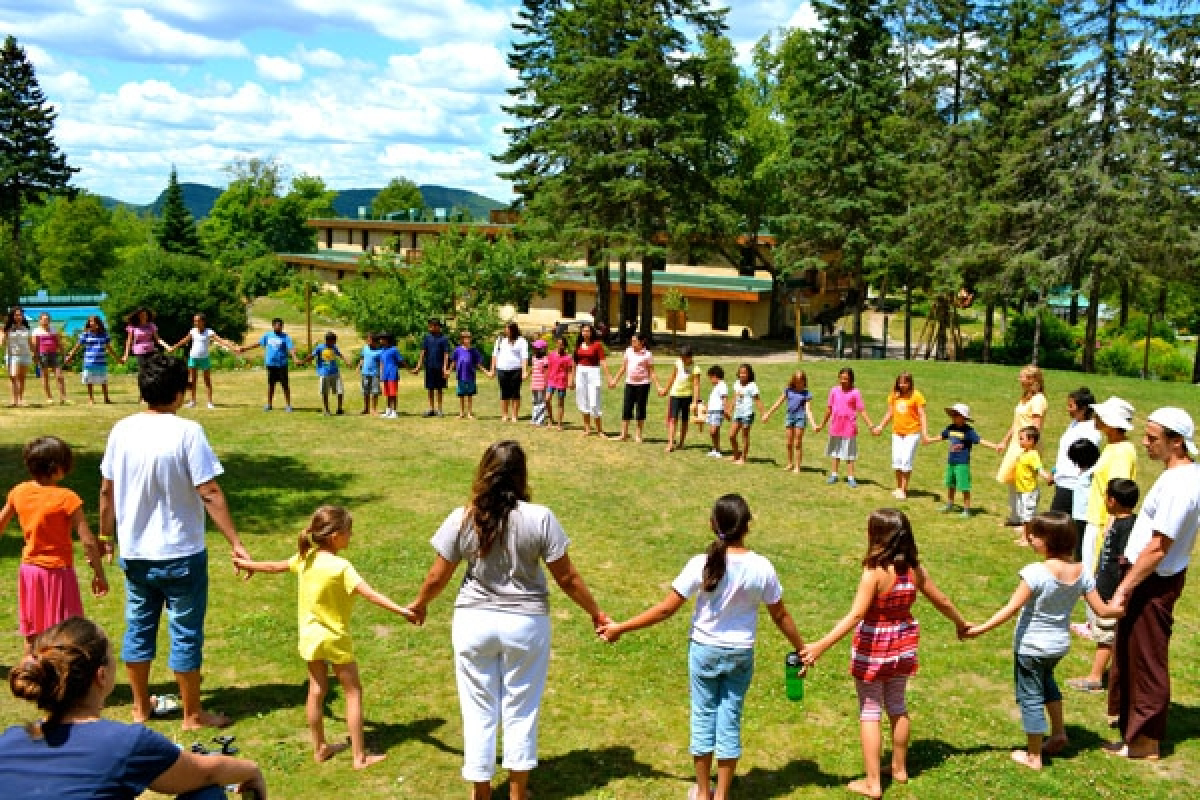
(326, 588)
(1025, 477)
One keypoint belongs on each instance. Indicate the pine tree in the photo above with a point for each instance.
(176, 230)
(31, 166)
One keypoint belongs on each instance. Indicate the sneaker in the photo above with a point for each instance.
(288, 409)
(211, 406)
(853, 484)
(832, 478)
(190, 404)
(430, 413)
(899, 494)
(714, 453)
(966, 513)
(439, 413)
(268, 408)
(946, 509)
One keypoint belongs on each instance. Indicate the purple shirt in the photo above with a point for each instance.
(466, 361)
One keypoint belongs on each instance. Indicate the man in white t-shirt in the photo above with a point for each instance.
(159, 480)
(1154, 567)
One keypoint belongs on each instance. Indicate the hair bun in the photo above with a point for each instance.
(29, 678)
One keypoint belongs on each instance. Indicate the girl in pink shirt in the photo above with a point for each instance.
(844, 405)
(538, 365)
(638, 369)
(558, 377)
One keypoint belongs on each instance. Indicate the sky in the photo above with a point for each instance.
(357, 92)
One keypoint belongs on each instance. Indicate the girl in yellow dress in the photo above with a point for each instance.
(326, 588)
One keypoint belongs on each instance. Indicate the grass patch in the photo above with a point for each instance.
(615, 719)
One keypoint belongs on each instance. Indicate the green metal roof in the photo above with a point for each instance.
(727, 283)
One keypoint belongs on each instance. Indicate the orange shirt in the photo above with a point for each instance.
(45, 516)
(906, 412)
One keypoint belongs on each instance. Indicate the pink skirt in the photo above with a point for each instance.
(47, 597)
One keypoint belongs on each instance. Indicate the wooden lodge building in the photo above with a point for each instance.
(723, 299)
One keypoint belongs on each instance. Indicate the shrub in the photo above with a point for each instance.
(1059, 348)
(1118, 358)
(1135, 328)
(176, 287)
(263, 275)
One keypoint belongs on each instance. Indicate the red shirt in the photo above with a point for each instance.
(589, 355)
(558, 371)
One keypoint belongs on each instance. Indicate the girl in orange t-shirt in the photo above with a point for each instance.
(906, 412)
(47, 589)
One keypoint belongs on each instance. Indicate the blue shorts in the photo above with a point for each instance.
(554, 392)
(795, 420)
(720, 677)
(200, 363)
(181, 586)
(467, 388)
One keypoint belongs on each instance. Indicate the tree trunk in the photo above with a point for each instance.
(1196, 365)
(603, 287)
(622, 294)
(989, 328)
(1146, 349)
(646, 304)
(777, 321)
(1093, 320)
(1126, 302)
(908, 322)
(1076, 285)
(1037, 329)
(858, 312)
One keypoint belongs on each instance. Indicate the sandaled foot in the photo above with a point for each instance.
(328, 751)
(1025, 760)
(1125, 751)
(1086, 685)
(897, 775)
(368, 760)
(1054, 745)
(860, 786)
(207, 719)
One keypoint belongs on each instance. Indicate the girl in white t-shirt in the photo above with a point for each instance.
(729, 582)
(745, 397)
(202, 338)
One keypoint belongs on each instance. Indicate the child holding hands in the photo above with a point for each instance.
(799, 413)
(47, 589)
(729, 582)
(844, 405)
(884, 653)
(326, 588)
(1044, 598)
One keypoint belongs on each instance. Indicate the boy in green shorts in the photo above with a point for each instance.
(962, 438)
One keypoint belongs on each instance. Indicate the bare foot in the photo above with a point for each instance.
(328, 751)
(470, 416)
(860, 786)
(670, 448)
(1054, 745)
(796, 469)
(899, 775)
(207, 719)
(1026, 760)
(621, 438)
(637, 439)
(788, 467)
(368, 760)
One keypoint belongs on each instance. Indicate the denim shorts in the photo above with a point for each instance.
(795, 419)
(181, 586)
(553, 391)
(1035, 687)
(720, 677)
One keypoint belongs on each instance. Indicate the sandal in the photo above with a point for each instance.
(1086, 685)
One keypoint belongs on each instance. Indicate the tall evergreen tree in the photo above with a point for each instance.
(176, 230)
(31, 166)
(845, 168)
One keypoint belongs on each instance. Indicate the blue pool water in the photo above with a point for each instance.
(68, 319)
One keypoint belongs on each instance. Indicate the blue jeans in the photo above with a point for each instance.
(181, 586)
(1035, 687)
(720, 677)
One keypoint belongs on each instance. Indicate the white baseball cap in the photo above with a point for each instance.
(1115, 413)
(1177, 421)
(962, 409)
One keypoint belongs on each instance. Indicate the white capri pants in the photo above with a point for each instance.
(589, 392)
(904, 451)
(500, 660)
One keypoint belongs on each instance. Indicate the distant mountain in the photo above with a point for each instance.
(199, 199)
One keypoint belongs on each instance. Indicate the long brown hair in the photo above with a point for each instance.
(501, 482)
(325, 523)
(890, 541)
(730, 521)
(58, 674)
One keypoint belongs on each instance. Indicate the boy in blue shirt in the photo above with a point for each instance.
(278, 348)
(368, 369)
(326, 356)
(435, 356)
(962, 438)
(390, 362)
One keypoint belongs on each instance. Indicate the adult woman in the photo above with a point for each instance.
(501, 629)
(48, 345)
(1029, 412)
(141, 336)
(74, 752)
(589, 395)
(18, 355)
(1081, 426)
(510, 364)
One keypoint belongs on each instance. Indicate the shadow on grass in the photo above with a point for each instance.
(581, 772)
(927, 754)
(785, 780)
(386, 735)
(1183, 725)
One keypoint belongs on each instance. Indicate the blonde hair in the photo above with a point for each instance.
(1034, 374)
(325, 523)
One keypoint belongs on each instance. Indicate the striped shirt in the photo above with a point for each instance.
(94, 345)
(885, 643)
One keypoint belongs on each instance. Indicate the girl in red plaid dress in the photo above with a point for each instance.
(884, 654)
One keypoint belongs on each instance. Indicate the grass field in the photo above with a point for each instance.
(614, 721)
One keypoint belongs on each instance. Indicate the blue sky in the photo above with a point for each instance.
(357, 92)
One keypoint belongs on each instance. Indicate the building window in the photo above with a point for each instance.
(341, 275)
(568, 304)
(720, 320)
(349, 236)
(329, 238)
(366, 240)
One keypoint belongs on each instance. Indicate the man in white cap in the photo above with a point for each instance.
(1114, 419)
(1154, 568)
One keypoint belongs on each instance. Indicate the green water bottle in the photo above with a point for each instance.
(793, 676)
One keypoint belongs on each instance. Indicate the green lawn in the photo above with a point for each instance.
(615, 719)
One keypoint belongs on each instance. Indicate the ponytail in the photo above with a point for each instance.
(730, 520)
(326, 521)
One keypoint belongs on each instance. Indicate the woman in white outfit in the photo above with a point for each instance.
(501, 629)
(589, 387)
(18, 355)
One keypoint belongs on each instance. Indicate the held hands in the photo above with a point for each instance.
(609, 632)
(109, 547)
(963, 631)
(414, 614)
(612, 384)
(877, 430)
(242, 562)
(810, 653)
(662, 391)
(99, 585)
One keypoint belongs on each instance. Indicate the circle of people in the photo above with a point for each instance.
(159, 481)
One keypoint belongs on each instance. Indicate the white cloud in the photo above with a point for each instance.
(320, 58)
(278, 69)
(66, 85)
(152, 38)
(468, 66)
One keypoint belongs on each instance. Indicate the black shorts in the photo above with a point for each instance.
(510, 383)
(636, 395)
(681, 408)
(434, 379)
(278, 375)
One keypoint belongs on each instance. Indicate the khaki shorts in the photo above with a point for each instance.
(1104, 631)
